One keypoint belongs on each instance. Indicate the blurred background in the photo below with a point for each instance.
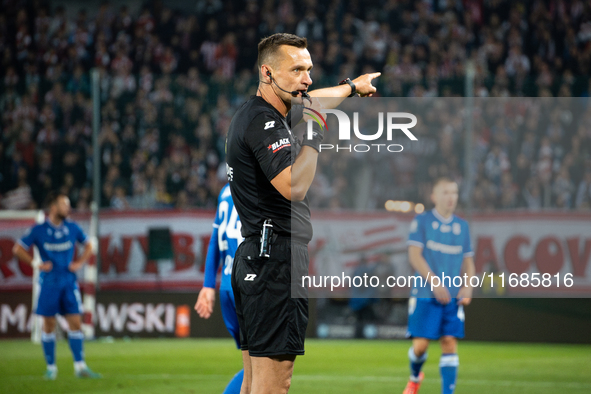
(168, 77)
(173, 73)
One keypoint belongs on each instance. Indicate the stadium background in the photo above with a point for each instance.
(172, 75)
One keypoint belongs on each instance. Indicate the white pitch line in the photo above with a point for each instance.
(384, 379)
(460, 381)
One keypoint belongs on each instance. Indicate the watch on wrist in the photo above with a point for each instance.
(353, 88)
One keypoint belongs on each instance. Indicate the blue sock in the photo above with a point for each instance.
(76, 339)
(448, 367)
(416, 363)
(235, 384)
(48, 342)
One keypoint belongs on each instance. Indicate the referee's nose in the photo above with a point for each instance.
(307, 80)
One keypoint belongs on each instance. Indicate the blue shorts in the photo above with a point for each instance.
(427, 318)
(58, 297)
(229, 314)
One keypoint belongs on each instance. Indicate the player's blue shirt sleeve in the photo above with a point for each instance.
(80, 235)
(29, 238)
(417, 232)
(212, 261)
(467, 246)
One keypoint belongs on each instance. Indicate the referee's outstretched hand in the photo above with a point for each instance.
(205, 302)
(363, 84)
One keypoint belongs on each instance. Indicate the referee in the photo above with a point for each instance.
(270, 173)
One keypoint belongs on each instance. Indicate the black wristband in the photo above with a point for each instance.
(353, 87)
(317, 137)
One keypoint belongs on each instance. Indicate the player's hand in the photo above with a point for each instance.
(363, 84)
(465, 296)
(45, 266)
(75, 265)
(205, 302)
(442, 295)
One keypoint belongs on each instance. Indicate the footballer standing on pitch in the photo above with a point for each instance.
(270, 173)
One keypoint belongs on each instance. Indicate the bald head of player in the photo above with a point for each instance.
(445, 196)
(284, 67)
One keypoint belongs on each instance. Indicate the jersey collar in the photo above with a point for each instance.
(54, 226)
(441, 218)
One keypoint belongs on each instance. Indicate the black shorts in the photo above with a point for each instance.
(272, 322)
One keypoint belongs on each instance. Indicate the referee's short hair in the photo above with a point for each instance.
(269, 45)
(52, 198)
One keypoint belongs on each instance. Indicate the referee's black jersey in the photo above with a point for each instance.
(260, 146)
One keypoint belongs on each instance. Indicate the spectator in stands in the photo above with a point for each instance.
(166, 72)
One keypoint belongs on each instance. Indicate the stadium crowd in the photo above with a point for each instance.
(171, 80)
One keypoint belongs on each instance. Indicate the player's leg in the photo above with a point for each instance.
(452, 328)
(448, 364)
(48, 307)
(272, 375)
(48, 344)
(231, 321)
(235, 385)
(424, 321)
(71, 308)
(417, 355)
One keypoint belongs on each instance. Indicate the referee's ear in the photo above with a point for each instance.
(266, 74)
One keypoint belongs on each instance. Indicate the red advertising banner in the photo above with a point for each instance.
(556, 244)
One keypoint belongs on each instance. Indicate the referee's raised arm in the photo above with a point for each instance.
(294, 181)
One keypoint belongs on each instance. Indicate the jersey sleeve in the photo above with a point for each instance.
(80, 234)
(416, 235)
(467, 244)
(218, 219)
(212, 261)
(271, 143)
(29, 238)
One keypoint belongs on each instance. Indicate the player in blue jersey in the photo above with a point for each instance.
(438, 245)
(223, 243)
(59, 292)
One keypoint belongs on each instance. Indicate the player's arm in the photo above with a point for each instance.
(206, 299)
(78, 263)
(468, 270)
(418, 262)
(19, 251)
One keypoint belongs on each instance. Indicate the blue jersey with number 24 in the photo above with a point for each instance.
(224, 241)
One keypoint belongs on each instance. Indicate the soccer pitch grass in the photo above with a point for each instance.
(205, 366)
